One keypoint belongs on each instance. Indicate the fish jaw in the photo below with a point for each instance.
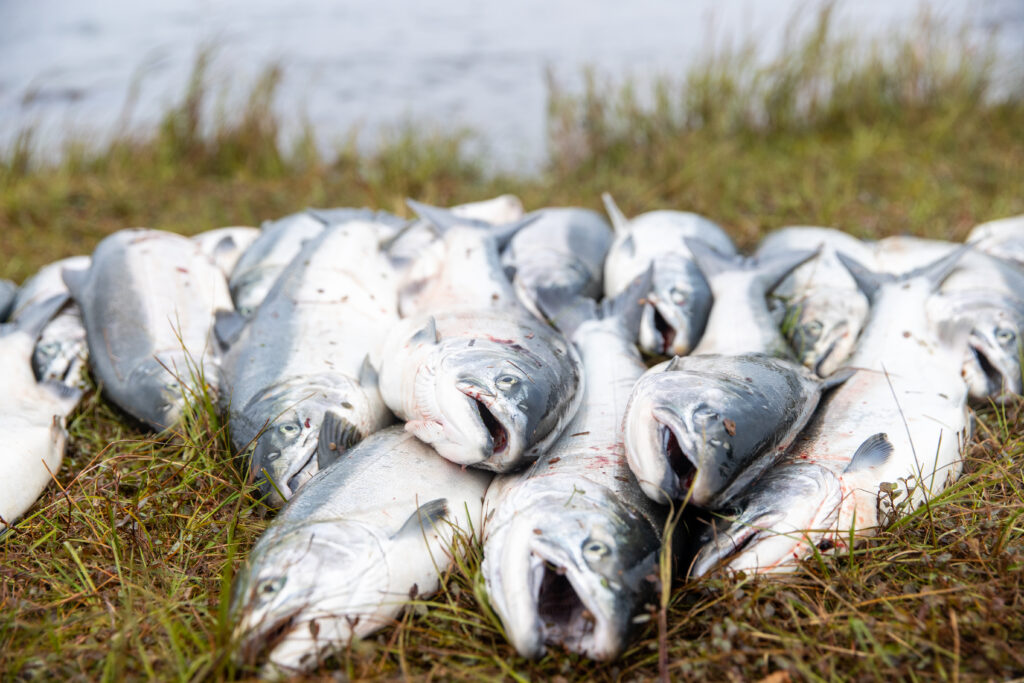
(827, 332)
(306, 593)
(643, 440)
(990, 368)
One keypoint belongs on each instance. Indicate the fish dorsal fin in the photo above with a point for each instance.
(938, 270)
(619, 220)
(425, 518)
(427, 334)
(874, 452)
(837, 378)
(628, 305)
(336, 437)
(76, 280)
(772, 270)
(867, 280)
(225, 245)
(368, 373)
(710, 261)
(565, 310)
(227, 327)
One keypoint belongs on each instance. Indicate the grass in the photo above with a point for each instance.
(123, 567)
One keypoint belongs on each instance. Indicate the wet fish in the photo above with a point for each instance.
(888, 439)
(303, 355)
(361, 540)
(562, 251)
(476, 375)
(8, 291)
(739, 321)
(148, 301)
(260, 265)
(570, 543)
(825, 311)
(61, 352)
(31, 416)
(680, 299)
(225, 246)
(1003, 238)
(986, 295)
(700, 428)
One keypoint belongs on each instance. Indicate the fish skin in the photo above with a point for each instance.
(148, 301)
(225, 246)
(724, 418)
(8, 292)
(1003, 238)
(304, 354)
(900, 254)
(825, 311)
(475, 348)
(680, 300)
(563, 251)
(906, 394)
(61, 352)
(260, 265)
(577, 508)
(739, 321)
(985, 294)
(32, 416)
(350, 550)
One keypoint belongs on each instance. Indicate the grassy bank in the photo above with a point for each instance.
(123, 570)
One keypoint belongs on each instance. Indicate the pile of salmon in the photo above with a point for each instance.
(407, 389)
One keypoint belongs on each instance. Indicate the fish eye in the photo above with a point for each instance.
(595, 550)
(268, 587)
(1005, 335)
(506, 382)
(288, 429)
(677, 295)
(173, 385)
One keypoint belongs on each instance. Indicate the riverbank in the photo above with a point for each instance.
(124, 570)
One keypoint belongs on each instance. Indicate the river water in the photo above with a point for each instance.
(67, 66)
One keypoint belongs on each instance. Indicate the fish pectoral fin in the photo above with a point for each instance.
(875, 451)
(227, 327)
(427, 334)
(336, 436)
(425, 518)
(837, 378)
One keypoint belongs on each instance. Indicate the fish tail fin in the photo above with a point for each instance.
(772, 270)
(939, 269)
(709, 260)
(628, 305)
(32, 319)
(868, 281)
(619, 220)
(445, 219)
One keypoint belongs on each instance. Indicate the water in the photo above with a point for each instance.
(67, 67)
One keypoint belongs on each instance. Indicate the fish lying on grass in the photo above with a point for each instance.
(476, 375)
(1003, 238)
(225, 246)
(739, 320)
(562, 251)
(700, 428)
(363, 538)
(986, 295)
(824, 309)
(259, 266)
(31, 415)
(679, 302)
(8, 290)
(303, 355)
(887, 440)
(61, 352)
(148, 301)
(570, 543)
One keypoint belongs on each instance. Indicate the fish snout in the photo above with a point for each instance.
(675, 449)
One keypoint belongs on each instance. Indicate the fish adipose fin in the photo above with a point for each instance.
(425, 518)
(874, 452)
(336, 436)
(619, 220)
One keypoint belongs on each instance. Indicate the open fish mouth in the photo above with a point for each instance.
(497, 432)
(565, 615)
(662, 333)
(258, 641)
(681, 463)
